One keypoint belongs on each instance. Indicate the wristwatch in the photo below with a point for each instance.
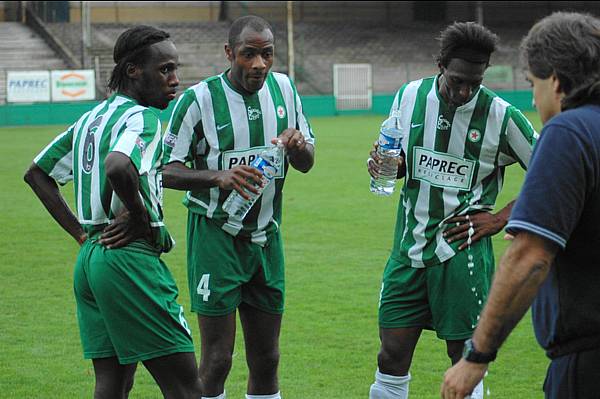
(471, 354)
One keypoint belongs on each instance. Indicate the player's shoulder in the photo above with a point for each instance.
(280, 78)
(412, 87)
(199, 88)
(497, 103)
(136, 113)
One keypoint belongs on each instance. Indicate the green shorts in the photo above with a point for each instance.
(446, 298)
(224, 271)
(126, 304)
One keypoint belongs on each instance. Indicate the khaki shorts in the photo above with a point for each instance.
(224, 271)
(446, 298)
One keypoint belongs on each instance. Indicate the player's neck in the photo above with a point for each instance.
(132, 94)
(442, 89)
(238, 87)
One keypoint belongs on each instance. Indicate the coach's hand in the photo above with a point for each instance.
(461, 379)
(472, 228)
(374, 162)
(125, 229)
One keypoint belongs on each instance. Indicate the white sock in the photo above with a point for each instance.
(272, 396)
(389, 386)
(477, 391)
(221, 396)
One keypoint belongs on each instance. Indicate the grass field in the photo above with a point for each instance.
(337, 239)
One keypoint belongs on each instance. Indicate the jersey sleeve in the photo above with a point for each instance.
(302, 123)
(397, 99)
(140, 140)
(185, 120)
(553, 195)
(520, 139)
(56, 160)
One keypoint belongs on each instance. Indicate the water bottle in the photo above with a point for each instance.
(389, 149)
(269, 162)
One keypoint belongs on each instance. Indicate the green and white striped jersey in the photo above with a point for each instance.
(215, 127)
(455, 162)
(78, 154)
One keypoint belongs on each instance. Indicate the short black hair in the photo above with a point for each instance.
(252, 21)
(568, 45)
(466, 40)
(131, 47)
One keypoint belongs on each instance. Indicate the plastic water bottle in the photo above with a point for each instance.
(269, 162)
(389, 149)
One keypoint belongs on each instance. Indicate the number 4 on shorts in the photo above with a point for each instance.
(203, 287)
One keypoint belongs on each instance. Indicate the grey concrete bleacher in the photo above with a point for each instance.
(23, 49)
(398, 53)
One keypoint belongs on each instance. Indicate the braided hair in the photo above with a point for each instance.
(132, 48)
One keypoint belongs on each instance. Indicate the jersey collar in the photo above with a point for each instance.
(230, 85)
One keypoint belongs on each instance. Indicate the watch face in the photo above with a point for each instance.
(472, 355)
(468, 350)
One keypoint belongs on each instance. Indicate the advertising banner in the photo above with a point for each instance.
(27, 86)
(74, 85)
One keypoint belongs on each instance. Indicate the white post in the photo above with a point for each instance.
(479, 12)
(290, 38)
(86, 33)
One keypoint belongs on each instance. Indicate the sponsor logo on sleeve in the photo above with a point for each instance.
(170, 140)
(442, 170)
(141, 145)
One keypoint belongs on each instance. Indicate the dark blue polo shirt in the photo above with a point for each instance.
(560, 201)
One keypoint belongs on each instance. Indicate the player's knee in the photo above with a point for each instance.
(390, 352)
(265, 361)
(385, 358)
(219, 364)
(392, 360)
(109, 390)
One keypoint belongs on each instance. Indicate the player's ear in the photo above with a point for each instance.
(229, 52)
(133, 71)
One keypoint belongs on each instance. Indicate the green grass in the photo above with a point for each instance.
(337, 239)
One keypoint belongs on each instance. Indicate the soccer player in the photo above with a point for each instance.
(459, 136)
(219, 126)
(126, 296)
(553, 260)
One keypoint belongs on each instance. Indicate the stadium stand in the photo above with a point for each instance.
(397, 54)
(396, 40)
(23, 49)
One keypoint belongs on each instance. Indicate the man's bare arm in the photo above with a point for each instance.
(47, 191)
(522, 271)
(179, 177)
